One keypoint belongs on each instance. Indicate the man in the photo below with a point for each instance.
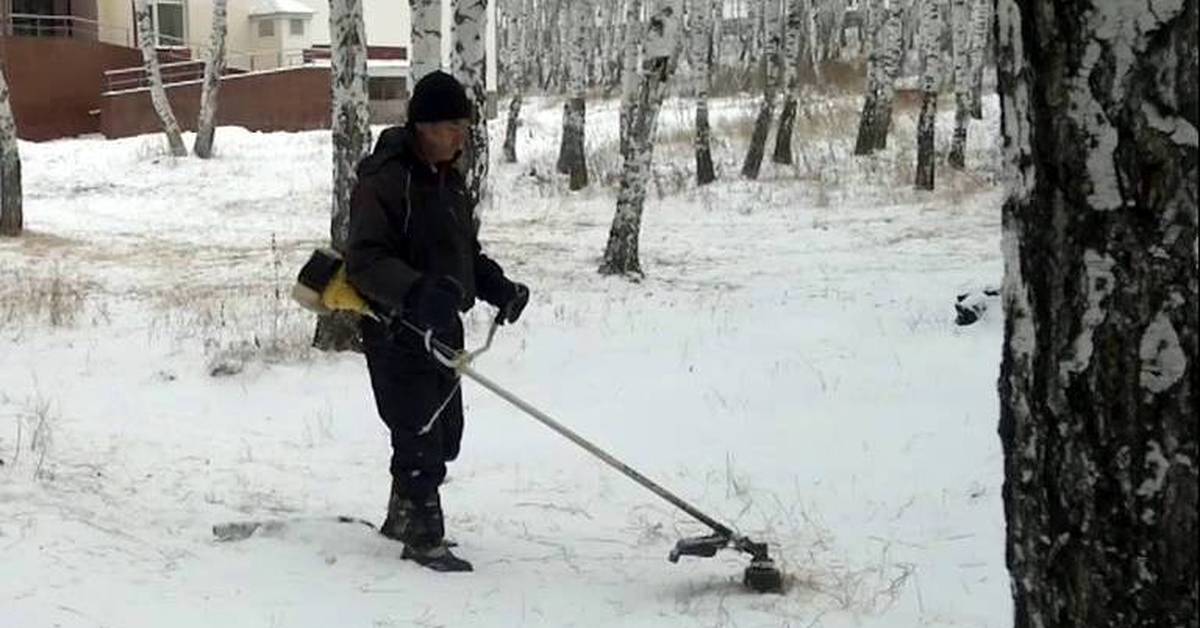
(413, 251)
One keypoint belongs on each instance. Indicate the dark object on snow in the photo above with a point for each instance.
(241, 530)
(971, 306)
(417, 521)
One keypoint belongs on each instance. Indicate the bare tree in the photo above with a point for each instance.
(883, 70)
(981, 31)
(158, 94)
(931, 30)
(629, 72)
(214, 68)
(793, 31)
(961, 30)
(1098, 378)
(518, 67)
(12, 217)
(470, 67)
(351, 142)
(426, 34)
(661, 52)
(572, 158)
(766, 110)
(700, 17)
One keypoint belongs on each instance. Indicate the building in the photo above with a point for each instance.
(73, 65)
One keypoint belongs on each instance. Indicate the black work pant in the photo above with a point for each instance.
(409, 388)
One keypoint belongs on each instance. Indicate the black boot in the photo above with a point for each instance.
(418, 523)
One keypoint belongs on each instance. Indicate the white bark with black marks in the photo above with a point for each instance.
(961, 30)
(470, 67)
(886, 57)
(158, 94)
(631, 50)
(426, 36)
(766, 110)
(789, 68)
(931, 32)
(661, 56)
(701, 56)
(214, 68)
(12, 217)
(1098, 377)
(572, 158)
(518, 65)
(351, 134)
(981, 36)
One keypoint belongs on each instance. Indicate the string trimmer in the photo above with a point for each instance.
(322, 287)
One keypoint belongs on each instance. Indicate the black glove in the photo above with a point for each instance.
(433, 302)
(512, 302)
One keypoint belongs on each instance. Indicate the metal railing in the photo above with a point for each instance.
(35, 25)
(176, 72)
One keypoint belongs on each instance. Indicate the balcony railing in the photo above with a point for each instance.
(34, 25)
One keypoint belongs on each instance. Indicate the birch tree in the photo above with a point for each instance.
(766, 109)
(1098, 376)
(518, 67)
(931, 30)
(793, 31)
(981, 31)
(214, 68)
(12, 217)
(961, 29)
(700, 17)
(661, 56)
(158, 93)
(426, 35)
(629, 72)
(470, 67)
(351, 142)
(572, 159)
(883, 70)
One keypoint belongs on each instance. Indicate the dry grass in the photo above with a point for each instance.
(51, 298)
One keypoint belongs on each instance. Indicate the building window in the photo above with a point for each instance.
(169, 24)
(296, 27)
(386, 88)
(266, 28)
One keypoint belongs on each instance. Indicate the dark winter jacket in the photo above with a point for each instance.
(408, 219)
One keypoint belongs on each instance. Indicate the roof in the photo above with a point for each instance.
(279, 7)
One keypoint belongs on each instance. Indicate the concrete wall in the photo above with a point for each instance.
(300, 100)
(56, 82)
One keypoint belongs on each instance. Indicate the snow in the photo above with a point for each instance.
(262, 8)
(790, 365)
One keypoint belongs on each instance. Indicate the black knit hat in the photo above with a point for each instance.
(437, 97)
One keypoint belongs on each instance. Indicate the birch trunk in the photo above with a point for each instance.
(961, 25)
(766, 110)
(661, 50)
(351, 135)
(701, 13)
(470, 26)
(158, 93)
(883, 69)
(1098, 376)
(793, 32)
(629, 72)
(981, 36)
(519, 65)
(214, 68)
(12, 218)
(931, 27)
(426, 33)
(572, 159)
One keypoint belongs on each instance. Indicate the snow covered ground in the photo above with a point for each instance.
(789, 364)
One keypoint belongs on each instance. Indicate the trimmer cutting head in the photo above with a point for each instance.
(761, 576)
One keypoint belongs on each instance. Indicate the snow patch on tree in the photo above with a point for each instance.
(1099, 283)
(1163, 359)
